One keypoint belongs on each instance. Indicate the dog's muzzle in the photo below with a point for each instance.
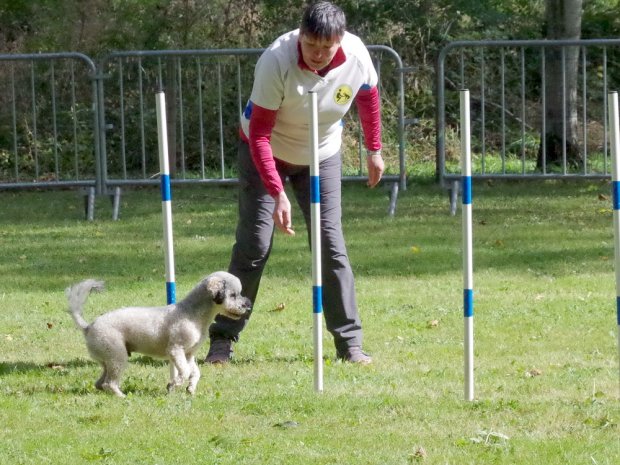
(247, 306)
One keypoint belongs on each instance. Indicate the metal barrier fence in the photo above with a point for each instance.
(508, 82)
(206, 91)
(48, 121)
(64, 124)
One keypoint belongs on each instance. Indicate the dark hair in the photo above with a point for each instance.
(323, 20)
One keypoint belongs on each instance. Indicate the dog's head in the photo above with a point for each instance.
(225, 290)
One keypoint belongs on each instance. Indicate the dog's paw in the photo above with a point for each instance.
(191, 390)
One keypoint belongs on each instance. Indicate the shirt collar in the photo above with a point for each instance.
(339, 58)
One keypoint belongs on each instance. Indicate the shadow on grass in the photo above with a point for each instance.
(11, 368)
(53, 378)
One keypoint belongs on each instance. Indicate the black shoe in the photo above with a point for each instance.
(354, 354)
(220, 351)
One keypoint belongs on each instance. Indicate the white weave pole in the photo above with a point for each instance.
(315, 238)
(166, 195)
(468, 267)
(614, 139)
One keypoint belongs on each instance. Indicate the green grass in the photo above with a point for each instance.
(546, 352)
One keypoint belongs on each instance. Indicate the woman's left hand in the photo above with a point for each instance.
(375, 169)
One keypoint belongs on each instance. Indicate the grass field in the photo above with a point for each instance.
(547, 384)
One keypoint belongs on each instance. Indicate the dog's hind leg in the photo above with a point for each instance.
(102, 378)
(194, 375)
(110, 380)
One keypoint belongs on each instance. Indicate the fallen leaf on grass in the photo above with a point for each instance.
(278, 308)
(603, 197)
(96, 456)
(419, 454)
(533, 372)
(55, 366)
(432, 324)
(287, 424)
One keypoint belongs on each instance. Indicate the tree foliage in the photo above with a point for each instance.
(416, 29)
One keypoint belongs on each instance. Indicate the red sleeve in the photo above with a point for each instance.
(369, 110)
(262, 121)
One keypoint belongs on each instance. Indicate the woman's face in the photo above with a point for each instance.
(316, 52)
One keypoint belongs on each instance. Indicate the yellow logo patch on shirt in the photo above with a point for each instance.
(343, 94)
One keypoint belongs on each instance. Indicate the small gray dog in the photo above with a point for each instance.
(174, 332)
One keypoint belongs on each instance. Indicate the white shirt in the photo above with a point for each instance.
(281, 84)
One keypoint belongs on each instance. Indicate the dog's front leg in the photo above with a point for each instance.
(180, 366)
(173, 375)
(194, 375)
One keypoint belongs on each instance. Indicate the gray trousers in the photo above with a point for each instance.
(254, 239)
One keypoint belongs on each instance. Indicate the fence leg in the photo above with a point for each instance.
(393, 198)
(116, 202)
(89, 204)
(453, 192)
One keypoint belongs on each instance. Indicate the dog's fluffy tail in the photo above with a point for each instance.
(77, 295)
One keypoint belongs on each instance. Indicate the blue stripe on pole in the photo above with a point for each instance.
(315, 194)
(317, 299)
(468, 302)
(171, 292)
(466, 180)
(615, 186)
(166, 194)
(618, 309)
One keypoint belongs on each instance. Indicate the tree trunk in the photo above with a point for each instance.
(561, 147)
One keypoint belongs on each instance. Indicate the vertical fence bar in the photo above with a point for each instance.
(503, 103)
(543, 111)
(35, 142)
(166, 195)
(142, 137)
(605, 107)
(54, 120)
(564, 112)
(614, 131)
(74, 117)
(200, 119)
(220, 114)
(315, 229)
(181, 116)
(14, 123)
(121, 95)
(483, 121)
(468, 279)
(523, 111)
(584, 107)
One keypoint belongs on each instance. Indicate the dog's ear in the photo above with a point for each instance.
(217, 288)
